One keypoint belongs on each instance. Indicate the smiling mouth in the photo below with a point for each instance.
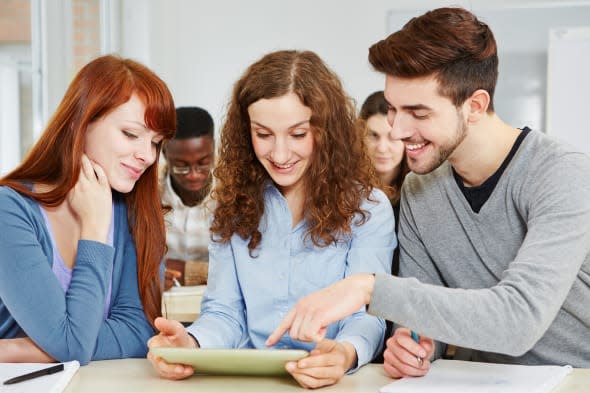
(415, 146)
(283, 166)
(134, 171)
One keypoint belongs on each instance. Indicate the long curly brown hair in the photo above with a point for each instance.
(340, 175)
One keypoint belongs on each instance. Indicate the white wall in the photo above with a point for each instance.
(200, 48)
(522, 36)
(203, 47)
(568, 85)
(9, 114)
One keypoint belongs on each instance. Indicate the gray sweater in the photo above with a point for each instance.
(512, 281)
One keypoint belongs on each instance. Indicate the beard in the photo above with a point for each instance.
(189, 197)
(443, 152)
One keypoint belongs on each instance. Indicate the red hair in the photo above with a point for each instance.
(99, 87)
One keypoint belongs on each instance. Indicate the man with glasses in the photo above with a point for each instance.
(185, 184)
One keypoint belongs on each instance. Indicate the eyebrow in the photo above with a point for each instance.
(415, 107)
(289, 128)
(188, 162)
(137, 123)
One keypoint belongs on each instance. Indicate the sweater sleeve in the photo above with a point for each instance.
(65, 327)
(126, 330)
(414, 262)
(511, 316)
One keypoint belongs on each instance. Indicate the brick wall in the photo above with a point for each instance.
(86, 31)
(15, 21)
(15, 32)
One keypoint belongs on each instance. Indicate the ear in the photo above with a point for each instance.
(476, 106)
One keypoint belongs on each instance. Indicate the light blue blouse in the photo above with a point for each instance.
(247, 297)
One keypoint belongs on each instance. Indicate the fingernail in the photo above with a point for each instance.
(290, 366)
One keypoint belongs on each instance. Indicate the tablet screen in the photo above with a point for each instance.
(232, 361)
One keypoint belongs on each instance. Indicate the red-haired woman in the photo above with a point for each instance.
(82, 229)
(296, 210)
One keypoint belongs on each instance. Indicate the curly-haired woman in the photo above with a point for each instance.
(296, 210)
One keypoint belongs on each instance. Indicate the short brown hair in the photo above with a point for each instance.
(449, 43)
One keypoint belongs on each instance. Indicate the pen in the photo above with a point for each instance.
(39, 373)
(176, 282)
(416, 338)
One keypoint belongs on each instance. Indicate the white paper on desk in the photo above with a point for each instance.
(455, 376)
(53, 383)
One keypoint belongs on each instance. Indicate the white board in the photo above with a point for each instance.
(568, 85)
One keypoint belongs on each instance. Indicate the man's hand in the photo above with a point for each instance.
(401, 355)
(174, 271)
(307, 321)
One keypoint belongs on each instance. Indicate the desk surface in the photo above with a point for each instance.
(137, 375)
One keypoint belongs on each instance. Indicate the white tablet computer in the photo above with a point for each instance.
(232, 361)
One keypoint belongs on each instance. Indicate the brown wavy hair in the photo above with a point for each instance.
(449, 43)
(99, 87)
(375, 104)
(340, 174)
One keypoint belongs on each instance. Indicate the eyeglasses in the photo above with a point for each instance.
(186, 169)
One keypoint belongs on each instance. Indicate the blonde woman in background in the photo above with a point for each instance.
(387, 155)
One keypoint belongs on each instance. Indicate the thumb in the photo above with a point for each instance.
(325, 345)
(168, 327)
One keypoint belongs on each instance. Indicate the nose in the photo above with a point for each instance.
(146, 153)
(280, 150)
(401, 126)
(382, 143)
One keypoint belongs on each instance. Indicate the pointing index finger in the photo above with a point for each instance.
(283, 327)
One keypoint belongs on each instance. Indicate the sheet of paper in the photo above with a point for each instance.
(54, 383)
(454, 376)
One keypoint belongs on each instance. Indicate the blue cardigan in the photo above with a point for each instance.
(69, 326)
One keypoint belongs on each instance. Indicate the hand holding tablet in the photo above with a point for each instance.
(175, 355)
(232, 361)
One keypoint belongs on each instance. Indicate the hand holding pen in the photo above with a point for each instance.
(407, 354)
(416, 339)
